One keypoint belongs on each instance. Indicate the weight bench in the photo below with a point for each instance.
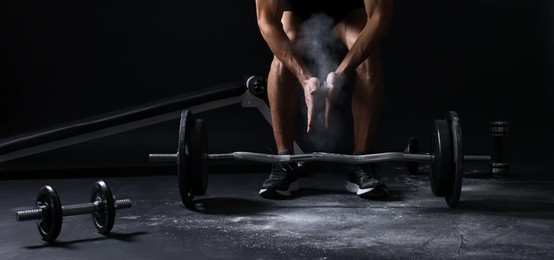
(135, 117)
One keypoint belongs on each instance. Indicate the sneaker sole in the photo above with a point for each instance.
(272, 193)
(377, 191)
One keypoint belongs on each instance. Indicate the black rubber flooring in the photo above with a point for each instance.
(509, 218)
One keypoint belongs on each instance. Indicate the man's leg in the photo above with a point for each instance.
(367, 98)
(282, 92)
(283, 101)
(367, 92)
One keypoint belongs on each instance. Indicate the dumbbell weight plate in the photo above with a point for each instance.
(412, 148)
(499, 128)
(454, 185)
(198, 150)
(183, 150)
(104, 217)
(50, 225)
(442, 164)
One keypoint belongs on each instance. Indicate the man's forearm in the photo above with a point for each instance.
(283, 49)
(378, 20)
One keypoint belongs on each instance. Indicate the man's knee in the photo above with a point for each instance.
(368, 70)
(280, 70)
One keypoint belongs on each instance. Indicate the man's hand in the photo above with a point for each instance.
(334, 84)
(310, 86)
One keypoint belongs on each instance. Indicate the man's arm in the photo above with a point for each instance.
(379, 16)
(269, 13)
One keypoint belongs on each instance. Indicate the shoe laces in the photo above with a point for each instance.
(363, 172)
(280, 171)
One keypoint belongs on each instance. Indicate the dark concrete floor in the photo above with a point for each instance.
(510, 218)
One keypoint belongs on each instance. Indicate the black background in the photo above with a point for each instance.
(65, 60)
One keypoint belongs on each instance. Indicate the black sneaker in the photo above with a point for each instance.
(282, 180)
(363, 181)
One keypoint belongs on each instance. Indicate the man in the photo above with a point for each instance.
(359, 25)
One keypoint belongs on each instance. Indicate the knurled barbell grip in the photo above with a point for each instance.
(71, 210)
(162, 157)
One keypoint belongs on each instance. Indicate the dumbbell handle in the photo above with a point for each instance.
(162, 157)
(318, 156)
(71, 210)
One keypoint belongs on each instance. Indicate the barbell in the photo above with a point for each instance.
(192, 158)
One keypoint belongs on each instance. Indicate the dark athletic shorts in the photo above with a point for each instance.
(337, 9)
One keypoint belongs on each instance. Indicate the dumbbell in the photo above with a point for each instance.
(192, 158)
(497, 129)
(49, 211)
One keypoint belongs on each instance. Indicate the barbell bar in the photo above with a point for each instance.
(311, 157)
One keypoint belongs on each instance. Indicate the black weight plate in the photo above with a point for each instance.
(442, 165)
(198, 150)
(104, 217)
(454, 185)
(183, 150)
(412, 148)
(50, 225)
